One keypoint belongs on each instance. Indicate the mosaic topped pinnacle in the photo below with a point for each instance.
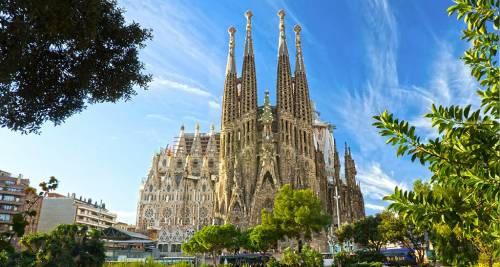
(249, 15)
(299, 64)
(282, 50)
(248, 40)
(231, 64)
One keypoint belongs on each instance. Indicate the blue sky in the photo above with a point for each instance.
(361, 57)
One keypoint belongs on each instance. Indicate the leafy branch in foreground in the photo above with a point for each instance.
(59, 56)
(464, 190)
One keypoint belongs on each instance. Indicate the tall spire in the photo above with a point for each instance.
(248, 76)
(284, 79)
(303, 109)
(248, 40)
(231, 63)
(230, 97)
(299, 64)
(282, 41)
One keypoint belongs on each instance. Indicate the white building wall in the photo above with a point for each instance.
(56, 211)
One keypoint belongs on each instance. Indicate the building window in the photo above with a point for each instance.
(4, 217)
(211, 163)
(8, 182)
(9, 198)
(175, 248)
(9, 207)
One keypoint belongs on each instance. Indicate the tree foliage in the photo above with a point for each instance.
(308, 257)
(395, 229)
(65, 246)
(364, 232)
(297, 213)
(58, 56)
(213, 239)
(464, 159)
(22, 219)
(263, 237)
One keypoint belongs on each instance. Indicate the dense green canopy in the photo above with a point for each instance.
(58, 56)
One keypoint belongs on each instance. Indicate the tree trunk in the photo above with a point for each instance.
(299, 244)
(214, 258)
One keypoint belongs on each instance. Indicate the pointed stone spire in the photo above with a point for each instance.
(197, 130)
(231, 62)
(299, 64)
(212, 129)
(230, 97)
(303, 109)
(248, 40)
(248, 76)
(350, 166)
(282, 48)
(284, 80)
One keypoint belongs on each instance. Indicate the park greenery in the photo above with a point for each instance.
(59, 56)
(374, 232)
(65, 246)
(459, 207)
(297, 214)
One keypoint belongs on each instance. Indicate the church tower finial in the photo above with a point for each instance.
(299, 65)
(282, 42)
(231, 63)
(248, 41)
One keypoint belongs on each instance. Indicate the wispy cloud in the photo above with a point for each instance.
(184, 30)
(167, 84)
(159, 117)
(374, 207)
(375, 183)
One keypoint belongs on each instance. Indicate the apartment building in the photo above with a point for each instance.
(59, 209)
(13, 200)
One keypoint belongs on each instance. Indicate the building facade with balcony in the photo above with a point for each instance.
(58, 209)
(13, 198)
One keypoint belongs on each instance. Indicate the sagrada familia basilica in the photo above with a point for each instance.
(231, 175)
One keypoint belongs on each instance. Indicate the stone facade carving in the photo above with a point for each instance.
(232, 175)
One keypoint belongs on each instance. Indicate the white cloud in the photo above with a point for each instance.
(125, 216)
(184, 30)
(375, 183)
(374, 207)
(159, 117)
(159, 82)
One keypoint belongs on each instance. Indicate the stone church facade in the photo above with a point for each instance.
(232, 175)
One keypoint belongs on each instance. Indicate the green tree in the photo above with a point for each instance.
(59, 56)
(263, 237)
(65, 246)
(395, 229)
(297, 213)
(366, 232)
(22, 219)
(464, 159)
(308, 257)
(213, 239)
(345, 233)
